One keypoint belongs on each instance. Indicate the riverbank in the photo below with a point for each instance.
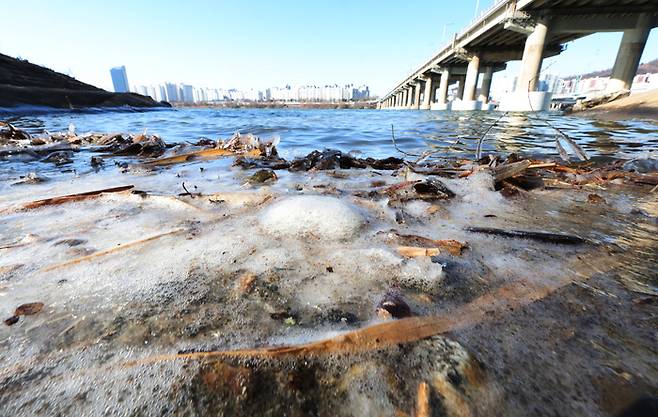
(198, 272)
(280, 105)
(25, 84)
(636, 106)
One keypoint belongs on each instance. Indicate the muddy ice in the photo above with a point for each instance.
(171, 300)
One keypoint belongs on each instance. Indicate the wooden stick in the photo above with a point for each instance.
(65, 199)
(391, 333)
(423, 400)
(112, 250)
(546, 237)
(542, 165)
(503, 172)
(414, 252)
(454, 247)
(202, 154)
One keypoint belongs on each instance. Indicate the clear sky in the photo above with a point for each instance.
(256, 43)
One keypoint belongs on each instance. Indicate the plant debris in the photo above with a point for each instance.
(392, 305)
(262, 176)
(330, 159)
(532, 235)
(65, 199)
(28, 309)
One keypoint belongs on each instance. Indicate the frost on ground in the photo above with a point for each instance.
(133, 275)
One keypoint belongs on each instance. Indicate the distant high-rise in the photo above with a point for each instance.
(172, 91)
(120, 79)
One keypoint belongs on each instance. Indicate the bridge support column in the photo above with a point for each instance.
(442, 97)
(460, 87)
(428, 96)
(471, 81)
(629, 54)
(468, 86)
(532, 58)
(409, 93)
(525, 97)
(416, 104)
(485, 90)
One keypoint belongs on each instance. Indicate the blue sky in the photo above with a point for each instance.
(257, 44)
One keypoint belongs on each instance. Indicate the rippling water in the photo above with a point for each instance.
(365, 131)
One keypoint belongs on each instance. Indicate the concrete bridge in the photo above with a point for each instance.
(526, 30)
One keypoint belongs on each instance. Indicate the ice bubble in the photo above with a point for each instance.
(323, 217)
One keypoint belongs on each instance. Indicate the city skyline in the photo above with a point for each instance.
(257, 44)
(187, 93)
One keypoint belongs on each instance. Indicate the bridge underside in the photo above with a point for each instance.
(530, 31)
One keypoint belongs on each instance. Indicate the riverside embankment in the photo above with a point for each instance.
(25, 84)
(636, 106)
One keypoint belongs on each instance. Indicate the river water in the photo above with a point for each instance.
(365, 131)
(145, 295)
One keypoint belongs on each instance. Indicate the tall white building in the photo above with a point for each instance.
(119, 79)
(172, 92)
(187, 93)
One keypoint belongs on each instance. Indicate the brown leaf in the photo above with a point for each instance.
(11, 320)
(246, 283)
(595, 199)
(28, 309)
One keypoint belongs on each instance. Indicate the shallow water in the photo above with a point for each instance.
(97, 347)
(365, 131)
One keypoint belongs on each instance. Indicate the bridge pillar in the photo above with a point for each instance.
(405, 98)
(471, 81)
(410, 92)
(532, 58)
(442, 98)
(428, 96)
(416, 104)
(525, 97)
(629, 54)
(398, 100)
(460, 87)
(485, 90)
